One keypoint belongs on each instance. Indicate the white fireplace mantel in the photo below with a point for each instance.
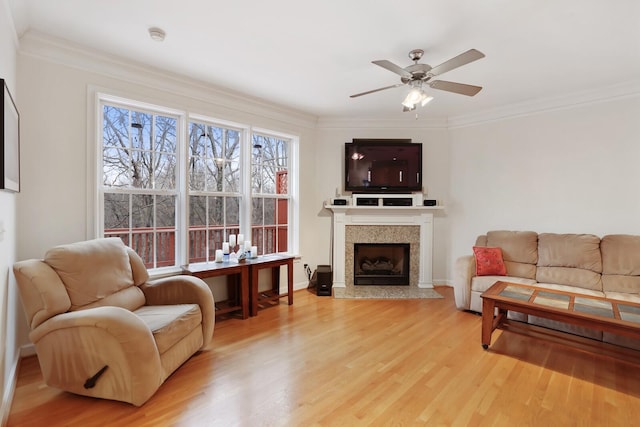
(350, 215)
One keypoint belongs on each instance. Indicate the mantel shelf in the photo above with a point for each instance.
(346, 208)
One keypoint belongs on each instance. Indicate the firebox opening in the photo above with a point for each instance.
(381, 264)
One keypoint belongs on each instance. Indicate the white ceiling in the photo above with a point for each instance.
(311, 55)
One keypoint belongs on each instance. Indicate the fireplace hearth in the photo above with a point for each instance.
(383, 264)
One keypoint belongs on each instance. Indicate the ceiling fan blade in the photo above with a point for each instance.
(376, 90)
(460, 88)
(393, 68)
(458, 61)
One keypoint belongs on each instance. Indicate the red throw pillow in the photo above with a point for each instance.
(489, 261)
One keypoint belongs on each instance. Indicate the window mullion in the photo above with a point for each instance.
(246, 195)
(182, 187)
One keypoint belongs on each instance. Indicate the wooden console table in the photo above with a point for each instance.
(237, 284)
(274, 262)
(617, 317)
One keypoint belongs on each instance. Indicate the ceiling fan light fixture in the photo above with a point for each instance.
(416, 96)
(426, 99)
(413, 97)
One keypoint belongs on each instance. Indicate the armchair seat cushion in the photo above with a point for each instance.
(170, 323)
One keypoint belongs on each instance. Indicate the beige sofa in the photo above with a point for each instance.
(91, 305)
(582, 263)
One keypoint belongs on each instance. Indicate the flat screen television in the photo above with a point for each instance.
(382, 166)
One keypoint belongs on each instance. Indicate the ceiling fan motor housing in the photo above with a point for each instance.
(418, 72)
(416, 54)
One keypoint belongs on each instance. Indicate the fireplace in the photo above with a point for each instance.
(381, 264)
(353, 224)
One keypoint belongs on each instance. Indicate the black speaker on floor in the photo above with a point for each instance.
(324, 277)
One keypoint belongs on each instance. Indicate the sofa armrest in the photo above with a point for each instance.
(74, 346)
(184, 289)
(464, 270)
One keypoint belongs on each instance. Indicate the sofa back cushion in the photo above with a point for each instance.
(94, 272)
(570, 259)
(519, 250)
(621, 263)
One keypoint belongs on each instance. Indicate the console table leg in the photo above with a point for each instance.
(290, 281)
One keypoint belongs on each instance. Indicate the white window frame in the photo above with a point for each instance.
(293, 179)
(180, 233)
(95, 211)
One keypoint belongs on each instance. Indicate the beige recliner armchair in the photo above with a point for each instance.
(102, 329)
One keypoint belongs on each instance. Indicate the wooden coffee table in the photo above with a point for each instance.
(614, 316)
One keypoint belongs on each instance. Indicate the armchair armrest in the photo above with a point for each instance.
(464, 270)
(120, 323)
(74, 346)
(184, 289)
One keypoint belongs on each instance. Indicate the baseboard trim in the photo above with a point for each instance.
(7, 397)
(12, 381)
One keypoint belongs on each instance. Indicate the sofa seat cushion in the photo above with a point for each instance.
(623, 296)
(482, 283)
(170, 323)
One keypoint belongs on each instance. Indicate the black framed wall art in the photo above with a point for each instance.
(9, 142)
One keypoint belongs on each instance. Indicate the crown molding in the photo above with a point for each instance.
(11, 20)
(577, 99)
(410, 122)
(63, 52)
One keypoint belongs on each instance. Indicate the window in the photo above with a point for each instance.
(214, 188)
(139, 189)
(174, 191)
(269, 193)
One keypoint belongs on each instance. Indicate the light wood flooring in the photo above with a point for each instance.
(340, 362)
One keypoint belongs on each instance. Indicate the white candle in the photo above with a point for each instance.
(218, 255)
(247, 245)
(240, 240)
(254, 251)
(225, 248)
(232, 240)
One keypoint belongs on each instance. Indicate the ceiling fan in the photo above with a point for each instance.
(420, 75)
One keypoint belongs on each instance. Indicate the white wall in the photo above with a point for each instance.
(331, 137)
(567, 171)
(8, 298)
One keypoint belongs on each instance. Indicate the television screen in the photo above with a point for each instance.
(383, 166)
